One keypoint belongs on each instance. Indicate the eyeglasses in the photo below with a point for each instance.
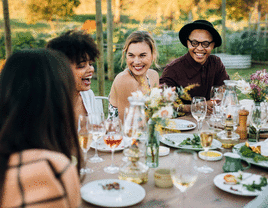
(204, 44)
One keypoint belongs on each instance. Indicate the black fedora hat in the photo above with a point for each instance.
(199, 24)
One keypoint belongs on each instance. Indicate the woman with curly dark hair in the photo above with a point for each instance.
(81, 51)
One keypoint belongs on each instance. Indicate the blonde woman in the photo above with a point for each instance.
(139, 52)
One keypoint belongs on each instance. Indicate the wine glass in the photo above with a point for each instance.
(98, 131)
(183, 171)
(216, 95)
(257, 120)
(199, 110)
(206, 138)
(113, 139)
(85, 139)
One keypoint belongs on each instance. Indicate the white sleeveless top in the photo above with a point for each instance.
(89, 102)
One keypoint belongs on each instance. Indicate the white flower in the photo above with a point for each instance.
(164, 112)
(243, 86)
(169, 94)
(138, 95)
(154, 98)
(155, 93)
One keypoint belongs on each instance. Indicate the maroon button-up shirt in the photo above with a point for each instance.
(185, 70)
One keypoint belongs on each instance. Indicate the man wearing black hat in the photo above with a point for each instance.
(197, 66)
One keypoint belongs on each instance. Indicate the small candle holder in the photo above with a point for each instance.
(228, 137)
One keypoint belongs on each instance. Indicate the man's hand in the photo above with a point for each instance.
(187, 108)
(209, 107)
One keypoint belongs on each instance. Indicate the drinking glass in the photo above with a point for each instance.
(98, 131)
(216, 95)
(206, 138)
(126, 139)
(257, 120)
(85, 139)
(183, 171)
(199, 110)
(112, 139)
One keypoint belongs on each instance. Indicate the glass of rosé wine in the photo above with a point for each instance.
(113, 138)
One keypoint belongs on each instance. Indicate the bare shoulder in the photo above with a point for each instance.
(154, 77)
(123, 78)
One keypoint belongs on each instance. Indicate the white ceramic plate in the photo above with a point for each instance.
(180, 124)
(241, 190)
(250, 160)
(131, 193)
(210, 158)
(174, 140)
(104, 148)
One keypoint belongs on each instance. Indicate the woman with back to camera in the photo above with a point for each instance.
(140, 52)
(81, 51)
(37, 132)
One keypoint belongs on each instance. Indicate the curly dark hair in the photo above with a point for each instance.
(76, 45)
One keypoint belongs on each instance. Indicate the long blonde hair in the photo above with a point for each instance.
(139, 37)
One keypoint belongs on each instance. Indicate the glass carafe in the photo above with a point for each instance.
(229, 96)
(134, 170)
(135, 124)
(230, 107)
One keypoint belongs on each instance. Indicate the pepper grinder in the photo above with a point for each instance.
(242, 128)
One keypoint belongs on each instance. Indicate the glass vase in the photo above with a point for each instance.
(252, 134)
(152, 145)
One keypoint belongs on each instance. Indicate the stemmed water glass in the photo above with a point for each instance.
(206, 139)
(113, 139)
(85, 139)
(216, 94)
(199, 110)
(183, 171)
(98, 130)
(257, 119)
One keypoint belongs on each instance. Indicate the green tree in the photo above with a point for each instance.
(50, 10)
(7, 28)
(100, 60)
(110, 60)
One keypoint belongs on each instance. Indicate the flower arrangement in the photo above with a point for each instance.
(159, 108)
(257, 87)
(158, 103)
(161, 102)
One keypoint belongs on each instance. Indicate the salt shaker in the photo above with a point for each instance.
(242, 128)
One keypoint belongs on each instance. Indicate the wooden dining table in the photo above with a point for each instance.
(203, 194)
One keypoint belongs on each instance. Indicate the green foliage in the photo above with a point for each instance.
(22, 40)
(50, 10)
(168, 53)
(248, 43)
(83, 17)
(2, 47)
(25, 40)
(117, 62)
(239, 9)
